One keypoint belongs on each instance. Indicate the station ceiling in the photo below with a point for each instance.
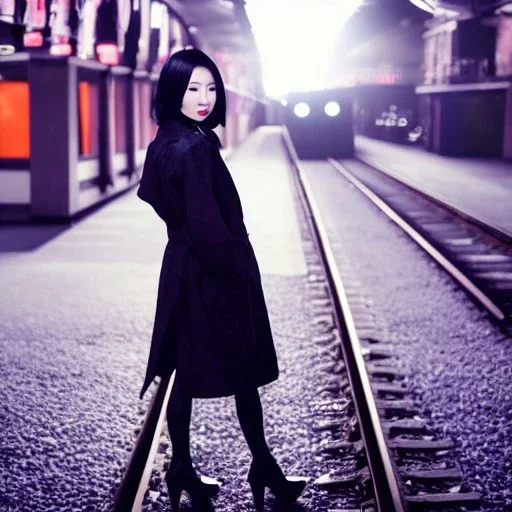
(220, 25)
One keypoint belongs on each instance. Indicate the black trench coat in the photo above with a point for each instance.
(211, 321)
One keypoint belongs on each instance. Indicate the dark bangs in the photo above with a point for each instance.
(173, 82)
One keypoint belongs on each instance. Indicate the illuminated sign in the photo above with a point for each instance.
(366, 76)
(33, 39)
(60, 49)
(108, 53)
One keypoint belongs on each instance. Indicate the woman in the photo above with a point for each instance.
(211, 322)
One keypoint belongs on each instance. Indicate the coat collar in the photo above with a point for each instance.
(180, 127)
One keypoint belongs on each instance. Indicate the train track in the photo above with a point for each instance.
(133, 486)
(475, 255)
(388, 425)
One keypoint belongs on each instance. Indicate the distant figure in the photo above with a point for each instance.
(211, 321)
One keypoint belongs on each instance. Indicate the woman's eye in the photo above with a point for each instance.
(192, 88)
(212, 89)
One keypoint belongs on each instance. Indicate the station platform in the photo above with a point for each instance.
(76, 315)
(480, 188)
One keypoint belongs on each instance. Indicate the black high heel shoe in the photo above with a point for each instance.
(269, 474)
(184, 478)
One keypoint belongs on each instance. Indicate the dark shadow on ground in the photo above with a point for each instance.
(21, 238)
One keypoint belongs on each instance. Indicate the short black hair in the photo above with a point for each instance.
(173, 82)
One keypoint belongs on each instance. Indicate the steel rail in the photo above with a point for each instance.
(387, 493)
(133, 485)
(481, 224)
(459, 276)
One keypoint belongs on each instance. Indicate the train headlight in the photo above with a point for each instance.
(332, 108)
(301, 109)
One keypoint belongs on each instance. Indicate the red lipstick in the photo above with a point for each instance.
(203, 112)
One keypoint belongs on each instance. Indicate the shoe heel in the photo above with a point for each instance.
(175, 496)
(258, 493)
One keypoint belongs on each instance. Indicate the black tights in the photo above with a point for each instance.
(250, 415)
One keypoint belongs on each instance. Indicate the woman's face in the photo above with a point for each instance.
(200, 96)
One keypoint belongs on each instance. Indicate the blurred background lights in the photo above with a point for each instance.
(157, 14)
(296, 40)
(332, 108)
(301, 110)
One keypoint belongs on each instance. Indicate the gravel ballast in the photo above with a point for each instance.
(458, 360)
(75, 321)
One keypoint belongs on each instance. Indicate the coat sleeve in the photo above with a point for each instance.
(210, 237)
(144, 191)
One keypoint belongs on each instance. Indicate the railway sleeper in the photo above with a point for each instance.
(373, 340)
(367, 332)
(476, 268)
(364, 326)
(434, 475)
(360, 308)
(485, 258)
(501, 285)
(377, 354)
(363, 316)
(385, 388)
(387, 371)
(429, 501)
(404, 426)
(402, 408)
(422, 445)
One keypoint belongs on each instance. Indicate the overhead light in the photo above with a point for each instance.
(426, 5)
(192, 29)
(332, 108)
(157, 13)
(505, 9)
(301, 110)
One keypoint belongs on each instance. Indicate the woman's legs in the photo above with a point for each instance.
(264, 471)
(181, 474)
(250, 415)
(179, 411)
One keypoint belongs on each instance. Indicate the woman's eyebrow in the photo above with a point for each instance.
(199, 83)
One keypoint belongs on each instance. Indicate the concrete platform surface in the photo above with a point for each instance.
(479, 187)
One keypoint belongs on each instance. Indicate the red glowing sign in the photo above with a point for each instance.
(32, 39)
